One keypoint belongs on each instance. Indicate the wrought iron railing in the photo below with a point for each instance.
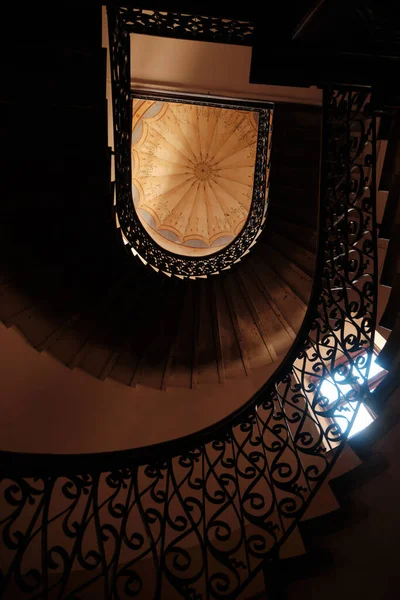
(122, 22)
(205, 28)
(199, 517)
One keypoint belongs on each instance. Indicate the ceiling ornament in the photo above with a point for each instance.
(192, 171)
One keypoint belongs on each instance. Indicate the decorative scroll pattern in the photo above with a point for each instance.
(133, 231)
(192, 27)
(197, 518)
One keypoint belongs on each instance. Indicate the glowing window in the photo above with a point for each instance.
(346, 408)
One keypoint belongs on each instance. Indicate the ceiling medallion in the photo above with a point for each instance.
(202, 171)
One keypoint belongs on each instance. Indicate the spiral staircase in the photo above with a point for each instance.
(80, 298)
(144, 329)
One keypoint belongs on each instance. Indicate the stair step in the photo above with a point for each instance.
(111, 334)
(141, 329)
(385, 126)
(391, 267)
(182, 363)
(243, 328)
(154, 367)
(292, 307)
(97, 356)
(252, 589)
(299, 281)
(173, 342)
(38, 325)
(381, 148)
(152, 333)
(194, 353)
(273, 305)
(391, 158)
(391, 209)
(389, 357)
(208, 358)
(278, 330)
(256, 338)
(12, 303)
(388, 319)
(122, 346)
(302, 258)
(294, 546)
(257, 317)
(71, 341)
(347, 461)
(235, 364)
(323, 503)
(305, 236)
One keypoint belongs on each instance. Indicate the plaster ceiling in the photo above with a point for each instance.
(192, 171)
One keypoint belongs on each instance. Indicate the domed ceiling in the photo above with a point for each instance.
(192, 173)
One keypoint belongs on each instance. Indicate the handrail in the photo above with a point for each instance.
(201, 515)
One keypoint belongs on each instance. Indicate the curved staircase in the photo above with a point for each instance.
(69, 286)
(157, 333)
(105, 313)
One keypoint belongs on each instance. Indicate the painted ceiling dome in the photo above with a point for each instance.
(192, 172)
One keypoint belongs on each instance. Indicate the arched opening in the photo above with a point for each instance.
(193, 168)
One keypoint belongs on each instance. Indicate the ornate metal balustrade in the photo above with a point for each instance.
(122, 22)
(199, 517)
(186, 26)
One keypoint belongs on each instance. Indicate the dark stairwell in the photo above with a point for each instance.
(72, 290)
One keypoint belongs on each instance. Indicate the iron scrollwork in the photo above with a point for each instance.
(199, 517)
(186, 26)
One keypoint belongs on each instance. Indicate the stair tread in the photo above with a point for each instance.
(209, 358)
(257, 317)
(279, 335)
(305, 236)
(234, 363)
(389, 357)
(391, 208)
(323, 503)
(292, 307)
(301, 257)
(181, 367)
(347, 461)
(388, 319)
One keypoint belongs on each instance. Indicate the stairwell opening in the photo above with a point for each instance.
(193, 169)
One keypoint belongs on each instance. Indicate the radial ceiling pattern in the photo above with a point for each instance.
(193, 171)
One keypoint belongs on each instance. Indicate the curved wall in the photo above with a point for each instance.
(46, 407)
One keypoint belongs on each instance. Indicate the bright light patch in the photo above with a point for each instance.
(362, 420)
(337, 390)
(375, 368)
